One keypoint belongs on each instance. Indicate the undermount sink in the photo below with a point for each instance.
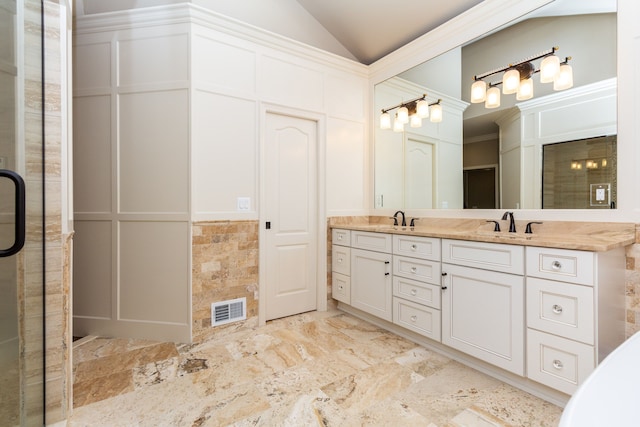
(609, 396)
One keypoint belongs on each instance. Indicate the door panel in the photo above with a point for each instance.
(290, 208)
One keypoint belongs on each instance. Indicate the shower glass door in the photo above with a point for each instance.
(21, 212)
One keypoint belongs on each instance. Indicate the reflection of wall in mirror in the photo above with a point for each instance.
(391, 185)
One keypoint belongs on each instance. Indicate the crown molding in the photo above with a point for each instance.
(187, 13)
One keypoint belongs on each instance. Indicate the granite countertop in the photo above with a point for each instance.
(587, 236)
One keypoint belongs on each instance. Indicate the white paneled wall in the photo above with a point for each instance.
(169, 112)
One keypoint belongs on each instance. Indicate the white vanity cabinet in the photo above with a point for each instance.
(341, 265)
(371, 273)
(574, 305)
(416, 284)
(483, 301)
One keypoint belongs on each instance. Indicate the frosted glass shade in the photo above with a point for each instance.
(436, 113)
(385, 121)
(415, 121)
(549, 69)
(398, 126)
(403, 115)
(478, 91)
(422, 109)
(564, 79)
(510, 81)
(525, 90)
(493, 98)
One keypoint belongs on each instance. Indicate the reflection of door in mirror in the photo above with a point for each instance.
(480, 188)
(419, 176)
(580, 174)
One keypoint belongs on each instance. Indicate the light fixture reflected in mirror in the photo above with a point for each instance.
(517, 78)
(412, 112)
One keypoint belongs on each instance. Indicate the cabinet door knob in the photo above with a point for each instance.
(556, 265)
(557, 309)
(340, 260)
(414, 247)
(414, 318)
(414, 270)
(557, 364)
(414, 292)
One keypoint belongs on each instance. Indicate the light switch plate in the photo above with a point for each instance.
(244, 203)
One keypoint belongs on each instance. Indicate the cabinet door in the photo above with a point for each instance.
(371, 282)
(483, 315)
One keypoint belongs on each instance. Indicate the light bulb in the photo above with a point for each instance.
(525, 90)
(403, 115)
(493, 97)
(385, 121)
(422, 109)
(564, 79)
(549, 69)
(478, 91)
(510, 81)
(436, 113)
(415, 121)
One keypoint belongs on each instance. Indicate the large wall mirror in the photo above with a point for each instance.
(556, 150)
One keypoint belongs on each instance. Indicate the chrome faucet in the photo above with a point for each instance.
(512, 222)
(395, 219)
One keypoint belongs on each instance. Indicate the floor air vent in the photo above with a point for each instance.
(228, 311)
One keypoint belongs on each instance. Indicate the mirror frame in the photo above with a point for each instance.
(484, 18)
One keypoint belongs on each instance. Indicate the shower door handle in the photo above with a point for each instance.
(20, 221)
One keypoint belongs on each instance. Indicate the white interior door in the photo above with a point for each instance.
(290, 200)
(418, 172)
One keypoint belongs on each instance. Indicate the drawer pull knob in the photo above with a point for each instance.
(556, 265)
(414, 270)
(558, 364)
(340, 237)
(414, 318)
(414, 247)
(340, 260)
(557, 309)
(414, 292)
(340, 287)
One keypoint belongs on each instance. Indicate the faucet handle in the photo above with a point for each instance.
(412, 224)
(497, 225)
(527, 229)
(395, 220)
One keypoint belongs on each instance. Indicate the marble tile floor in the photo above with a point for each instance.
(313, 369)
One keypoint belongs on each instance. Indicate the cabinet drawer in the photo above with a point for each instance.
(488, 256)
(558, 362)
(561, 308)
(341, 237)
(341, 287)
(561, 264)
(417, 269)
(417, 247)
(418, 292)
(378, 242)
(418, 318)
(341, 259)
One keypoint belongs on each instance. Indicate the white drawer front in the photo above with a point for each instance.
(418, 318)
(558, 362)
(561, 264)
(561, 308)
(488, 256)
(341, 259)
(341, 287)
(417, 269)
(418, 292)
(417, 246)
(379, 242)
(341, 237)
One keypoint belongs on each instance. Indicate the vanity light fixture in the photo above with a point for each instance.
(411, 112)
(517, 78)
